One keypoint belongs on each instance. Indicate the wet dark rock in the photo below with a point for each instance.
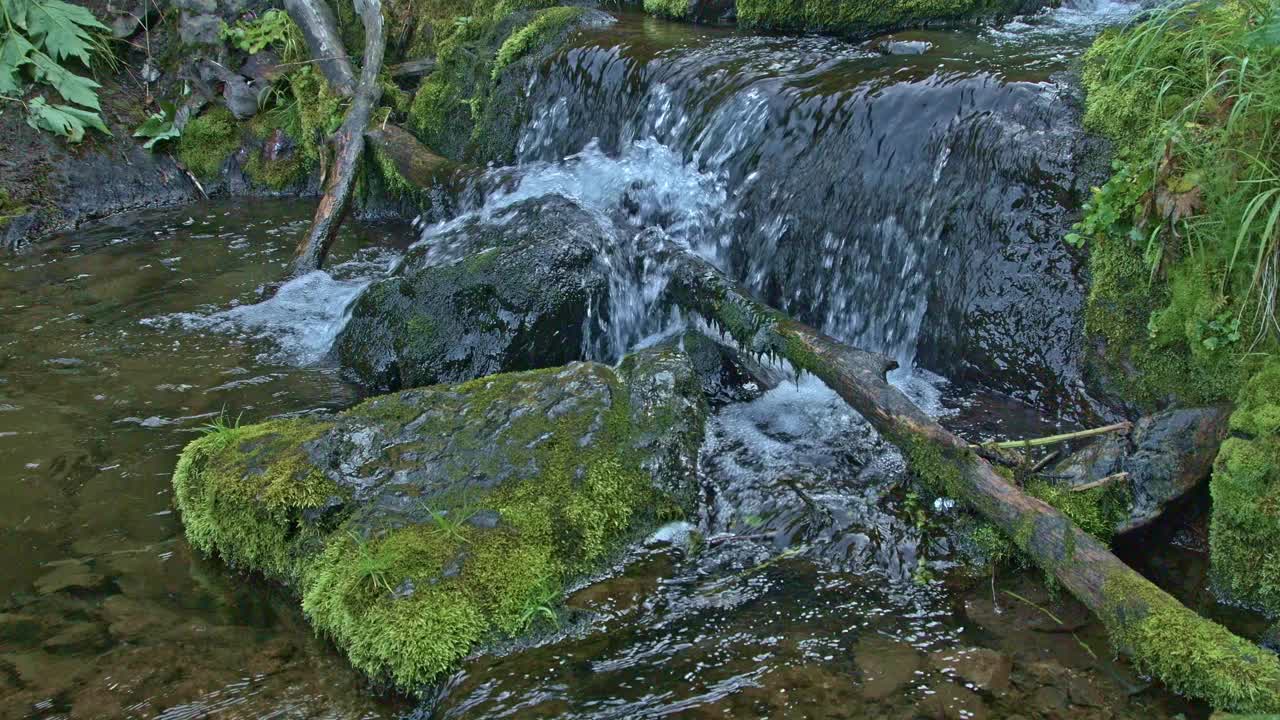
(1166, 456)
(240, 97)
(199, 29)
(903, 47)
(727, 375)
(261, 67)
(511, 293)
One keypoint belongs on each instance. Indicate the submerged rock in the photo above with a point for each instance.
(419, 526)
(514, 292)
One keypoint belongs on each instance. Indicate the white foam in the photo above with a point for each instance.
(300, 322)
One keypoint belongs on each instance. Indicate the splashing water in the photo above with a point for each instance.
(300, 322)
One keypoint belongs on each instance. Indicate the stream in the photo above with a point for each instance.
(905, 203)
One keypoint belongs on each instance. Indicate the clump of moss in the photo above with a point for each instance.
(208, 140)
(1188, 653)
(1245, 531)
(670, 9)
(1097, 511)
(546, 25)
(1178, 244)
(242, 492)
(863, 17)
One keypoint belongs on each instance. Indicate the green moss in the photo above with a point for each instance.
(1191, 655)
(407, 599)
(861, 17)
(1173, 297)
(1096, 511)
(1245, 530)
(547, 24)
(208, 140)
(10, 208)
(670, 9)
(242, 492)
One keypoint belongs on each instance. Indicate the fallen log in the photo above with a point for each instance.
(320, 32)
(1190, 654)
(348, 144)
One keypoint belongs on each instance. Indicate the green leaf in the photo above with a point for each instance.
(13, 55)
(159, 127)
(56, 119)
(62, 28)
(73, 88)
(16, 11)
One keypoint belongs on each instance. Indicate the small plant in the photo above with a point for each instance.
(450, 522)
(159, 127)
(540, 605)
(219, 431)
(369, 567)
(273, 27)
(38, 40)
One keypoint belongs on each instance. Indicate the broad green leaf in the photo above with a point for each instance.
(16, 11)
(159, 127)
(88, 119)
(43, 116)
(72, 87)
(13, 55)
(62, 28)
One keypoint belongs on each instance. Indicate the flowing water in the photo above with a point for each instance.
(906, 203)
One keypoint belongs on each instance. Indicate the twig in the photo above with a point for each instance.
(1044, 461)
(1055, 439)
(1041, 609)
(1099, 483)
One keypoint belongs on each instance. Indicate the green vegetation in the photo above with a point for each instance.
(1182, 238)
(1245, 530)
(408, 593)
(273, 27)
(1191, 655)
(546, 25)
(38, 41)
(1097, 511)
(858, 17)
(208, 140)
(670, 9)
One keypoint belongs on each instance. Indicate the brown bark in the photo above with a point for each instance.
(348, 146)
(1191, 654)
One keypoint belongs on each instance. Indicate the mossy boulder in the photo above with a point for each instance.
(422, 526)
(516, 292)
(864, 18)
(1244, 536)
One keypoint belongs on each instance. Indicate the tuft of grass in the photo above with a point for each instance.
(1184, 236)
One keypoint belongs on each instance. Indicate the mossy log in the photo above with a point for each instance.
(348, 145)
(412, 160)
(320, 32)
(1191, 654)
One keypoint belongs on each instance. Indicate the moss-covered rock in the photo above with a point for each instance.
(863, 18)
(1245, 531)
(208, 140)
(511, 293)
(473, 105)
(420, 526)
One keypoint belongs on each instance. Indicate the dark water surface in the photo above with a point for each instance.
(847, 185)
